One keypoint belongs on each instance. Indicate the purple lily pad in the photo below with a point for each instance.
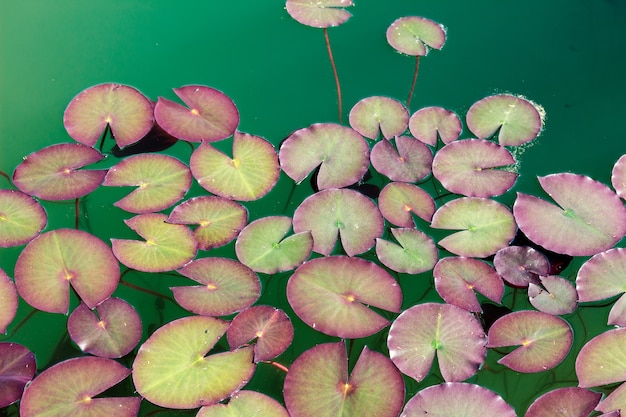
(219, 219)
(457, 399)
(267, 327)
(618, 177)
(128, 113)
(568, 401)
(543, 339)
(227, 287)
(474, 168)
(17, 368)
(347, 213)
(429, 123)
(332, 295)
(8, 301)
(398, 201)
(211, 115)
(110, 332)
(245, 404)
(250, 174)
(53, 173)
(68, 389)
(416, 252)
(319, 13)
(554, 295)
(453, 334)
(413, 35)
(521, 265)
(374, 115)
(318, 384)
(21, 218)
(411, 162)
(54, 260)
(161, 180)
(587, 219)
(516, 119)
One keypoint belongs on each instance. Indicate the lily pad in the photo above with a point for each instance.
(374, 115)
(520, 266)
(453, 334)
(568, 401)
(318, 384)
(429, 123)
(17, 368)
(414, 35)
(618, 177)
(554, 295)
(53, 173)
(410, 162)
(398, 201)
(613, 403)
(227, 287)
(602, 360)
(162, 181)
(166, 246)
(245, 404)
(543, 339)
(211, 115)
(263, 247)
(68, 389)
(21, 218)
(333, 295)
(319, 13)
(250, 174)
(8, 301)
(54, 260)
(588, 217)
(171, 369)
(340, 152)
(416, 252)
(124, 109)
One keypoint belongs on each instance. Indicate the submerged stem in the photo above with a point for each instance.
(278, 365)
(5, 175)
(107, 129)
(77, 214)
(332, 63)
(417, 65)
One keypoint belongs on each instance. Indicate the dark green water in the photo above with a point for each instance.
(567, 55)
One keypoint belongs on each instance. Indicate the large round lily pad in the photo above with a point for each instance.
(21, 218)
(602, 360)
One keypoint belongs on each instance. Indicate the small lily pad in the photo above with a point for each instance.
(21, 218)
(595, 366)
(416, 252)
(414, 35)
(319, 13)
(521, 265)
(410, 162)
(245, 404)
(17, 368)
(374, 115)
(398, 201)
(554, 295)
(429, 123)
(8, 301)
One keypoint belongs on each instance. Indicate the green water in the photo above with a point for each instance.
(567, 55)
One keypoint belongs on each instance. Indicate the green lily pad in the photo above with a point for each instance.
(374, 115)
(416, 252)
(398, 201)
(413, 35)
(319, 13)
(21, 218)
(429, 123)
(8, 301)
(171, 369)
(245, 404)
(17, 368)
(602, 360)
(410, 162)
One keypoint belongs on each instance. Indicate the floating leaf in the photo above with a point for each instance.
(171, 369)
(612, 403)
(588, 219)
(413, 35)
(227, 287)
(262, 245)
(211, 115)
(318, 384)
(128, 113)
(245, 404)
(521, 265)
(250, 174)
(53, 173)
(332, 295)
(8, 301)
(453, 334)
(554, 295)
(416, 253)
(21, 218)
(602, 360)
(411, 162)
(68, 389)
(166, 246)
(568, 401)
(543, 339)
(431, 122)
(162, 181)
(376, 114)
(618, 177)
(319, 13)
(398, 201)
(54, 260)
(17, 368)
(341, 153)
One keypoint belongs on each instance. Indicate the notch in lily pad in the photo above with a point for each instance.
(374, 115)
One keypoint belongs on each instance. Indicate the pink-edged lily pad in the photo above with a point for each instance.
(374, 115)
(430, 123)
(210, 116)
(410, 162)
(172, 368)
(8, 301)
(341, 153)
(227, 287)
(618, 177)
(53, 261)
(515, 119)
(521, 265)
(347, 213)
(319, 13)
(245, 404)
(602, 360)
(398, 201)
(553, 295)
(162, 180)
(17, 368)
(332, 295)
(269, 329)
(484, 225)
(416, 252)
(613, 403)
(543, 339)
(263, 247)
(124, 109)
(475, 168)
(21, 218)
(568, 401)
(318, 384)
(445, 330)
(166, 246)
(457, 399)
(53, 173)
(414, 35)
(587, 218)
(219, 219)
(68, 389)
(250, 174)
(457, 279)
(111, 331)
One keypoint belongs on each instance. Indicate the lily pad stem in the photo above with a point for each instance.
(417, 65)
(332, 63)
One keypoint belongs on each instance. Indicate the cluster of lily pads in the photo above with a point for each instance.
(391, 194)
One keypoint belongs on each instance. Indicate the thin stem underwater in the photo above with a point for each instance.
(412, 90)
(332, 63)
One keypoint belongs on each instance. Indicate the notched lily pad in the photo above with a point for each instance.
(374, 115)
(21, 218)
(553, 295)
(416, 252)
(414, 35)
(410, 162)
(17, 368)
(319, 13)
(398, 201)
(521, 265)
(429, 123)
